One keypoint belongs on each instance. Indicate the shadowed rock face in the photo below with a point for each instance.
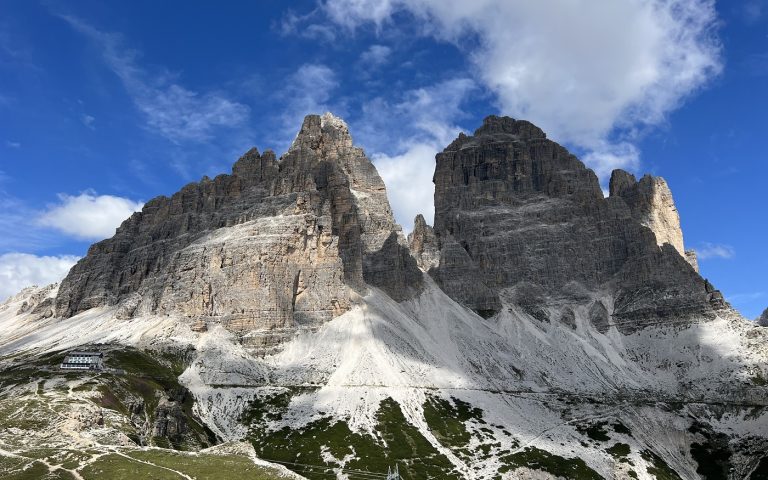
(512, 206)
(274, 245)
(762, 320)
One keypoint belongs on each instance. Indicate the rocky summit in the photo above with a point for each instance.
(279, 315)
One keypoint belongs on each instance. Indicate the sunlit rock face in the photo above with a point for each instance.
(514, 208)
(275, 245)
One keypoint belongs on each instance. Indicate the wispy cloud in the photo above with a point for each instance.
(375, 56)
(714, 250)
(11, 144)
(739, 297)
(306, 26)
(88, 120)
(170, 109)
(752, 11)
(308, 90)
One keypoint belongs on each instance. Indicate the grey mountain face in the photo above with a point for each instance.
(515, 211)
(281, 244)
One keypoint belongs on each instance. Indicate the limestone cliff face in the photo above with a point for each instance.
(273, 246)
(515, 209)
(651, 203)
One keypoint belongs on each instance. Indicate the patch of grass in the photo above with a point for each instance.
(619, 427)
(595, 431)
(398, 442)
(118, 467)
(12, 468)
(712, 455)
(537, 459)
(206, 466)
(446, 420)
(659, 468)
(620, 450)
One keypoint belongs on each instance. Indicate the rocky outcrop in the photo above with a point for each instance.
(423, 244)
(762, 320)
(651, 203)
(273, 246)
(513, 207)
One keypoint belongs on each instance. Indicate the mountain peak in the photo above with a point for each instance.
(318, 130)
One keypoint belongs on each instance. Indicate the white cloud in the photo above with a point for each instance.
(590, 73)
(170, 109)
(11, 144)
(428, 114)
(713, 250)
(88, 216)
(20, 270)
(375, 56)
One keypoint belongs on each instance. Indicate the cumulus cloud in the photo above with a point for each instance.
(20, 270)
(591, 74)
(428, 114)
(88, 216)
(713, 250)
(170, 109)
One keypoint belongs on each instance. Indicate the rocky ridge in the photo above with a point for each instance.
(276, 245)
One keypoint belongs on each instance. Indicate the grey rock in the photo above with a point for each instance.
(568, 317)
(422, 243)
(762, 320)
(169, 421)
(271, 247)
(692, 259)
(599, 317)
(512, 206)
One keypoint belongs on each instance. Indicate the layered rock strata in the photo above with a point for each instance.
(515, 209)
(274, 245)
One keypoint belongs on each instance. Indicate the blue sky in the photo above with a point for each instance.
(104, 105)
